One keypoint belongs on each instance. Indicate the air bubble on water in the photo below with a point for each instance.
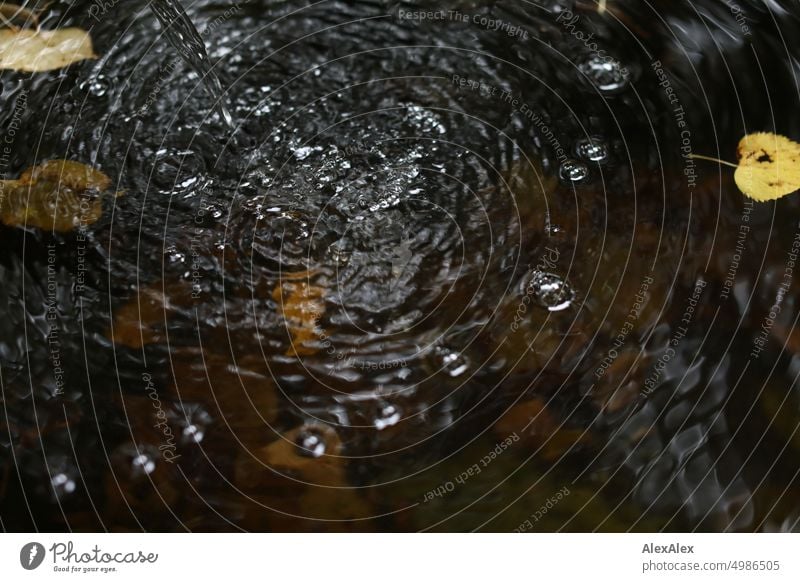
(175, 256)
(292, 225)
(452, 362)
(592, 150)
(552, 230)
(311, 443)
(192, 421)
(62, 485)
(177, 171)
(388, 415)
(425, 120)
(573, 171)
(303, 153)
(340, 253)
(97, 86)
(605, 73)
(550, 291)
(144, 464)
(193, 433)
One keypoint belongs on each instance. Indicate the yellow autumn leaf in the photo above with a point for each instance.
(769, 166)
(43, 50)
(58, 195)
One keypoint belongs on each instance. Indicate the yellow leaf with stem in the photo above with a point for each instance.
(768, 168)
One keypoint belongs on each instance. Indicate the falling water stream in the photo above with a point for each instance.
(183, 36)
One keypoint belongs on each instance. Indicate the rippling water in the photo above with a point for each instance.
(443, 269)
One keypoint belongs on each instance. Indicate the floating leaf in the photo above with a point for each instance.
(58, 195)
(769, 166)
(43, 50)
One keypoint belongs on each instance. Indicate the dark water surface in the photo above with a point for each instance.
(447, 272)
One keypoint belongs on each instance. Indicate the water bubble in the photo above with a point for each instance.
(340, 253)
(553, 230)
(192, 421)
(303, 153)
(311, 443)
(605, 73)
(452, 362)
(193, 433)
(177, 171)
(592, 150)
(143, 464)
(573, 171)
(62, 485)
(550, 291)
(388, 415)
(97, 86)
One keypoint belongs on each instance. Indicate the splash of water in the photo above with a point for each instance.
(183, 36)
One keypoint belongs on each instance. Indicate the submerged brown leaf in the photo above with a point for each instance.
(143, 320)
(15, 16)
(301, 305)
(58, 195)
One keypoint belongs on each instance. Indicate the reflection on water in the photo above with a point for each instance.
(440, 277)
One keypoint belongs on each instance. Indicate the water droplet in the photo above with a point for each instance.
(192, 420)
(340, 253)
(592, 150)
(303, 153)
(62, 484)
(311, 443)
(143, 464)
(388, 415)
(573, 171)
(193, 433)
(451, 362)
(97, 86)
(553, 230)
(606, 73)
(550, 291)
(177, 171)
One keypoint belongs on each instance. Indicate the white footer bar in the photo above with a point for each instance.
(400, 557)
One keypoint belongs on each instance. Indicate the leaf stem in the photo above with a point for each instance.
(709, 159)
